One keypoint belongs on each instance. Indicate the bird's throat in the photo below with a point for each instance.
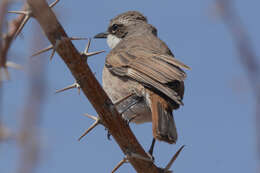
(112, 40)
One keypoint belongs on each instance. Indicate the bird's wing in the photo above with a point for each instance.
(152, 69)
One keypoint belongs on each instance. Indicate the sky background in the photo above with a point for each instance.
(217, 123)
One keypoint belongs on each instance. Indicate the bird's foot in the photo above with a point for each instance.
(108, 134)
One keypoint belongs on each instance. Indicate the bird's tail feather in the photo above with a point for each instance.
(163, 124)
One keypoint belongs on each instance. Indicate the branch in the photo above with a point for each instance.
(247, 55)
(111, 119)
(29, 134)
(3, 9)
(7, 40)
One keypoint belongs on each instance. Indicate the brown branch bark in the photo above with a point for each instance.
(111, 119)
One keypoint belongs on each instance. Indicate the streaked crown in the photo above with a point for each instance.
(119, 25)
(128, 18)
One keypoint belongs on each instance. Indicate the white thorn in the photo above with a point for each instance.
(75, 85)
(19, 12)
(91, 117)
(26, 18)
(168, 166)
(43, 50)
(97, 121)
(87, 47)
(77, 38)
(124, 160)
(14, 65)
(94, 53)
(54, 3)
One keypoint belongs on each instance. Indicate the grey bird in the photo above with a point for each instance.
(141, 65)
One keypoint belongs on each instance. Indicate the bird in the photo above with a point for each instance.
(141, 75)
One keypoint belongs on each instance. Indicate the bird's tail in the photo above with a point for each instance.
(163, 124)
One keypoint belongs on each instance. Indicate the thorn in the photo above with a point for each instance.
(87, 54)
(77, 38)
(123, 99)
(25, 20)
(173, 159)
(54, 3)
(42, 51)
(28, 14)
(75, 85)
(124, 160)
(19, 12)
(50, 47)
(54, 48)
(14, 65)
(91, 117)
(58, 42)
(87, 47)
(97, 121)
(94, 53)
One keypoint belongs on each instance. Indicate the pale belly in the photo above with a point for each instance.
(117, 89)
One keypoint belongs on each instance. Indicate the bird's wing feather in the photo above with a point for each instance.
(149, 68)
(139, 76)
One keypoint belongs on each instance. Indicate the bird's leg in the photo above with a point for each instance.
(151, 148)
(108, 134)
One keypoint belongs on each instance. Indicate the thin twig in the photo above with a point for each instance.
(247, 54)
(3, 9)
(29, 133)
(7, 40)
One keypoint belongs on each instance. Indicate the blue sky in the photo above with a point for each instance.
(217, 123)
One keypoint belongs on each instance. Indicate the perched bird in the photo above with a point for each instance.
(141, 75)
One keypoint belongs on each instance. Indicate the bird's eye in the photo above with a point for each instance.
(114, 27)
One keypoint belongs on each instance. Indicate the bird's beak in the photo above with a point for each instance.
(101, 35)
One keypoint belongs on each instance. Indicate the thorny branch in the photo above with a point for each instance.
(76, 62)
(247, 55)
(91, 88)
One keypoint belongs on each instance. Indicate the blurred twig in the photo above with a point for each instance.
(29, 134)
(3, 10)
(247, 54)
(7, 39)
